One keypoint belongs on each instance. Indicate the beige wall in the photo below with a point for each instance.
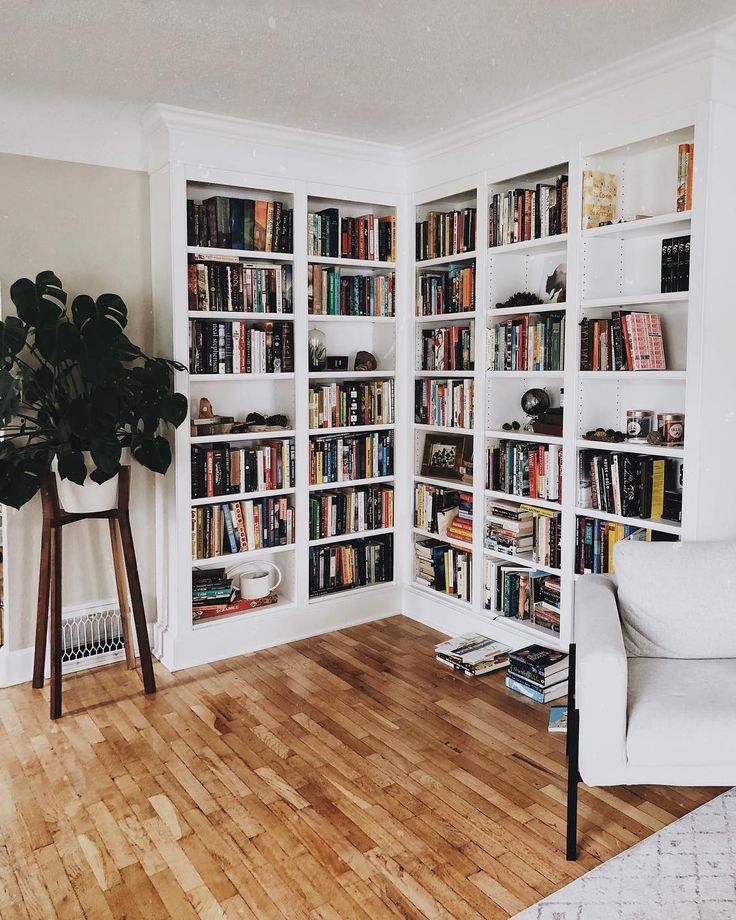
(89, 224)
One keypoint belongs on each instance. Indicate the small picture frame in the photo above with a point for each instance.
(444, 456)
(553, 280)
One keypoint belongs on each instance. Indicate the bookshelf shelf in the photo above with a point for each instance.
(639, 376)
(558, 241)
(352, 375)
(446, 260)
(521, 559)
(358, 534)
(444, 483)
(442, 596)
(243, 437)
(648, 523)
(531, 308)
(450, 375)
(523, 500)
(442, 318)
(654, 450)
(348, 483)
(358, 590)
(350, 429)
(633, 300)
(239, 496)
(530, 436)
(350, 263)
(550, 375)
(231, 559)
(446, 429)
(661, 224)
(332, 318)
(459, 544)
(238, 378)
(205, 252)
(240, 316)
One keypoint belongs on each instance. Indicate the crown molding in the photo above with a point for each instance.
(714, 42)
(170, 118)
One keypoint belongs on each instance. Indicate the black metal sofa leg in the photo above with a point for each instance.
(573, 776)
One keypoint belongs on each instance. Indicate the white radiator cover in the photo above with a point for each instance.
(92, 635)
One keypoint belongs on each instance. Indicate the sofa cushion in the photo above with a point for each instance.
(681, 713)
(677, 600)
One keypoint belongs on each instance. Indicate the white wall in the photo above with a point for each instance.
(90, 224)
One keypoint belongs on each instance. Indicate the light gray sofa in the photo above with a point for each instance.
(653, 697)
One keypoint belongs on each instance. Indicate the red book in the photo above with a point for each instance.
(241, 605)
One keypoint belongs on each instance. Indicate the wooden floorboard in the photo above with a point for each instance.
(345, 777)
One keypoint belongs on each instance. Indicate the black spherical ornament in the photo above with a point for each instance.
(535, 402)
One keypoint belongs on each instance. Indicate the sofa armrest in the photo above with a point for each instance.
(601, 682)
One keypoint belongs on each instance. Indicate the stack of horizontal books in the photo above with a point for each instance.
(473, 654)
(539, 673)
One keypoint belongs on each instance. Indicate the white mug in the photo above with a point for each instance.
(257, 581)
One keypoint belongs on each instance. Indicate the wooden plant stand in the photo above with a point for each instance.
(49, 585)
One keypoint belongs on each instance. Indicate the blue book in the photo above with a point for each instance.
(558, 719)
(232, 537)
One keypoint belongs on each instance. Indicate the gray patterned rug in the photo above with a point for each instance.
(686, 871)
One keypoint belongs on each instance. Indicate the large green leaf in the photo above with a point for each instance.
(106, 453)
(59, 343)
(19, 482)
(174, 408)
(153, 453)
(71, 466)
(12, 338)
(9, 397)
(41, 302)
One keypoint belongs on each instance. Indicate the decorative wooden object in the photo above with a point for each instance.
(49, 585)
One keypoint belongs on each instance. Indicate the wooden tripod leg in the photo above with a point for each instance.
(42, 608)
(122, 587)
(56, 632)
(136, 598)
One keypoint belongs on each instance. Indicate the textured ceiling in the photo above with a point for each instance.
(387, 71)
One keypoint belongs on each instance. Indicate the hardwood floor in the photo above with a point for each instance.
(347, 776)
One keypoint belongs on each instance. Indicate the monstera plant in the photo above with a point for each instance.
(76, 392)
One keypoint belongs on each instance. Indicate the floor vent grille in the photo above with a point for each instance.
(91, 635)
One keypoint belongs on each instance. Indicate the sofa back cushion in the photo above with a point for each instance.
(677, 600)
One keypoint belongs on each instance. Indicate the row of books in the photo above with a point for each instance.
(630, 485)
(527, 343)
(240, 223)
(346, 511)
(224, 469)
(228, 285)
(240, 348)
(461, 526)
(539, 673)
(685, 162)
(331, 293)
(628, 341)
(443, 292)
(238, 527)
(214, 595)
(434, 507)
(367, 237)
(444, 568)
(351, 402)
(447, 403)
(596, 539)
(445, 233)
(524, 530)
(528, 213)
(339, 566)
(522, 593)
(340, 458)
(527, 470)
(675, 264)
(448, 348)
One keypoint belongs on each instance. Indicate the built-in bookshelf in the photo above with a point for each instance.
(444, 364)
(351, 356)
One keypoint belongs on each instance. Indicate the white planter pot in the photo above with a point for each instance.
(90, 497)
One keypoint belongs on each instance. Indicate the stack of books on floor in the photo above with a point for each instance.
(473, 654)
(538, 673)
(461, 526)
(214, 595)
